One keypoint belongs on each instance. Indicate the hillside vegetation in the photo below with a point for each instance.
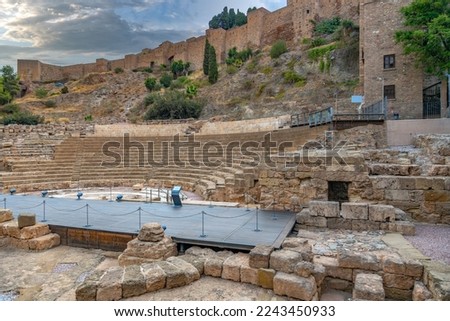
(314, 74)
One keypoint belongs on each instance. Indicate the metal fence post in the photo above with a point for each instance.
(203, 225)
(257, 220)
(87, 216)
(43, 210)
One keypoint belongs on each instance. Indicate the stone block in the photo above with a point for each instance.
(110, 285)
(304, 269)
(413, 268)
(34, 231)
(155, 277)
(324, 209)
(6, 215)
(231, 269)
(420, 292)
(339, 224)
(197, 261)
(133, 283)
(393, 264)
(294, 286)
(175, 277)
(405, 228)
(368, 287)
(19, 244)
(355, 211)
(365, 225)
(332, 267)
(381, 213)
(338, 284)
(304, 218)
(260, 256)
(198, 251)
(249, 274)
(26, 219)
(138, 252)
(11, 229)
(213, 267)
(265, 278)
(398, 281)
(358, 260)
(44, 242)
(188, 269)
(298, 244)
(284, 260)
(398, 294)
(319, 273)
(151, 232)
(87, 291)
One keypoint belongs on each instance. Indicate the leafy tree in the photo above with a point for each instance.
(206, 58)
(228, 19)
(9, 87)
(180, 68)
(427, 35)
(150, 83)
(241, 19)
(174, 105)
(213, 74)
(166, 80)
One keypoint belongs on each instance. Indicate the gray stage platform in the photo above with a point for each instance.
(224, 227)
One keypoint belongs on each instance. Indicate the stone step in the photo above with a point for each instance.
(368, 287)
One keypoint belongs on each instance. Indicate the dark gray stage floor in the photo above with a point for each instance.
(227, 227)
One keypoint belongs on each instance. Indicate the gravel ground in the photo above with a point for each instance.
(432, 241)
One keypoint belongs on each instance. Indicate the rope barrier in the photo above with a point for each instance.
(175, 217)
(65, 210)
(226, 217)
(29, 208)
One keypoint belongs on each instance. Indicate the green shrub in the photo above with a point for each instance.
(191, 91)
(278, 48)
(41, 92)
(9, 109)
(317, 42)
(150, 99)
(147, 70)
(118, 70)
(232, 69)
(166, 80)
(317, 54)
(64, 90)
(22, 118)
(291, 77)
(88, 118)
(174, 105)
(252, 66)
(327, 26)
(150, 83)
(50, 103)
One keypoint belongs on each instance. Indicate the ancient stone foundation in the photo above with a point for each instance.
(25, 233)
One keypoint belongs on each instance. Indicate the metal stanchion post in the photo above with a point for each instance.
(4, 203)
(140, 218)
(43, 210)
(87, 216)
(257, 220)
(203, 225)
(151, 195)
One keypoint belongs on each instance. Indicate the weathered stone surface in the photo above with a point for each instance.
(381, 213)
(138, 252)
(332, 268)
(368, 287)
(249, 274)
(26, 219)
(338, 284)
(44, 242)
(197, 261)
(437, 279)
(151, 232)
(339, 224)
(110, 285)
(304, 269)
(87, 291)
(319, 274)
(420, 292)
(284, 260)
(34, 231)
(405, 228)
(304, 218)
(175, 277)
(358, 260)
(6, 215)
(11, 229)
(265, 278)
(324, 209)
(294, 286)
(398, 294)
(398, 281)
(355, 211)
(19, 244)
(400, 215)
(393, 264)
(413, 268)
(298, 244)
(198, 251)
(133, 283)
(189, 270)
(213, 266)
(365, 225)
(231, 269)
(260, 256)
(154, 275)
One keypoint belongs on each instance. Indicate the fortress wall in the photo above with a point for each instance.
(255, 22)
(90, 68)
(195, 52)
(236, 37)
(278, 25)
(217, 38)
(119, 63)
(102, 65)
(29, 70)
(72, 72)
(177, 51)
(130, 61)
(51, 73)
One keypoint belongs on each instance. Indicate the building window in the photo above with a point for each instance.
(389, 92)
(389, 61)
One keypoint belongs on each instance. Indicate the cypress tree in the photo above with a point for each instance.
(206, 58)
(213, 74)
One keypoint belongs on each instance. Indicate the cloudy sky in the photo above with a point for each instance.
(67, 32)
